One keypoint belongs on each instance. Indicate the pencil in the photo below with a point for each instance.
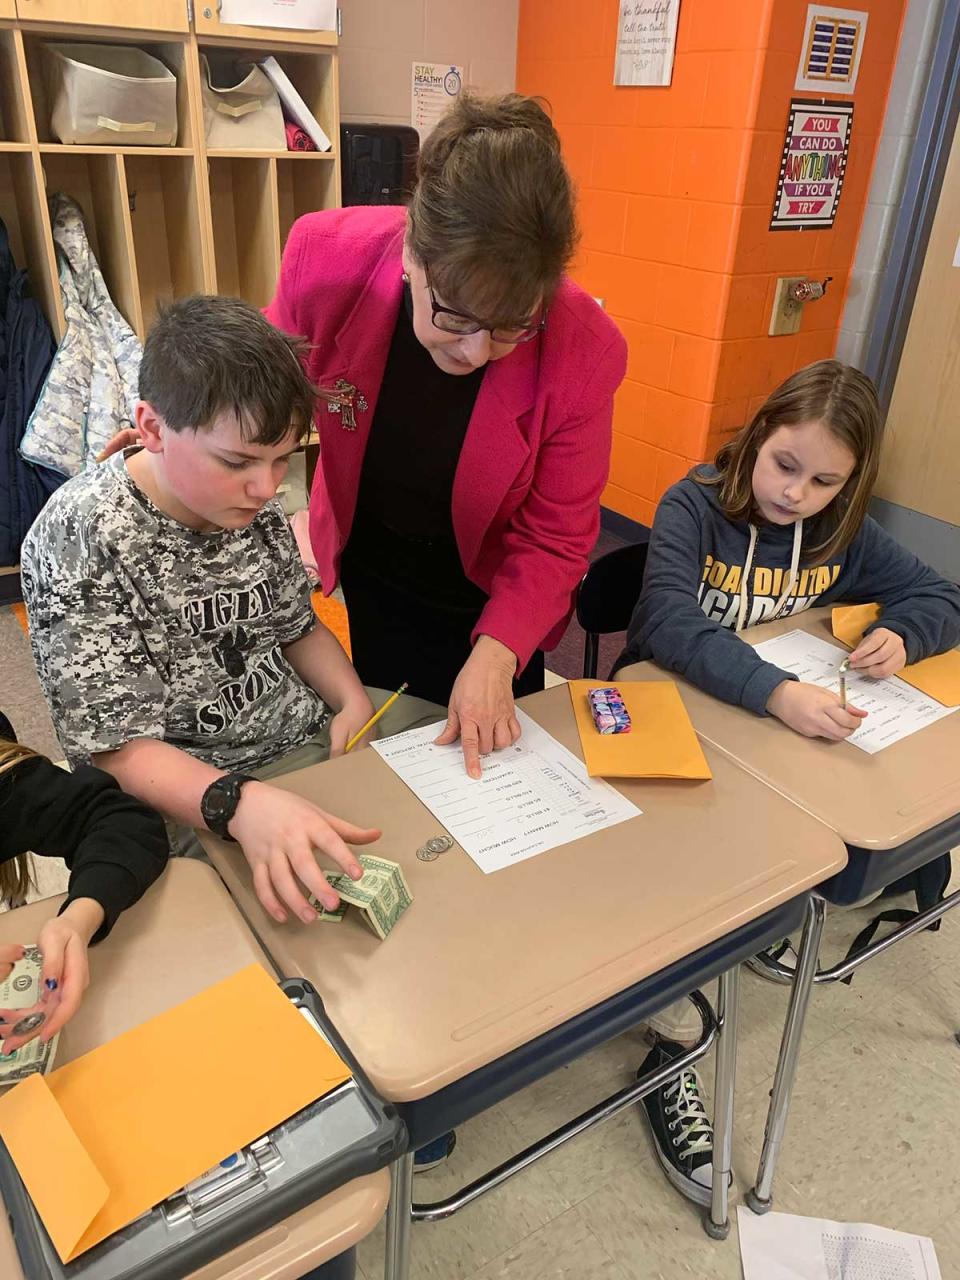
(844, 667)
(374, 718)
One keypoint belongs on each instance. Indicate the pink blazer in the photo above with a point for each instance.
(526, 507)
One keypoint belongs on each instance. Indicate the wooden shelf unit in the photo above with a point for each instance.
(163, 222)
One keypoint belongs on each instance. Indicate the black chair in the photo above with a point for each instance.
(606, 598)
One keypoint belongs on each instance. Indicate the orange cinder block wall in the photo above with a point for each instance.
(676, 188)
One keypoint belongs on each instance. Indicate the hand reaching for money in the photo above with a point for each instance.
(53, 982)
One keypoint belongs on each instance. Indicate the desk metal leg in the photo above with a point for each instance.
(397, 1248)
(759, 1198)
(716, 1223)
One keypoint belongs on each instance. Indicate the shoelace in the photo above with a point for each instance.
(696, 1133)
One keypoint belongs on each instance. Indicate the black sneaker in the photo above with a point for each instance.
(435, 1152)
(682, 1132)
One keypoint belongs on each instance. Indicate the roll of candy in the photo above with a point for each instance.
(609, 711)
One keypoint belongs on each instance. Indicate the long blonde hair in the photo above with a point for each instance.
(845, 401)
(15, 872)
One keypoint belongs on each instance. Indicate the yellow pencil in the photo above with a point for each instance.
(375, 717)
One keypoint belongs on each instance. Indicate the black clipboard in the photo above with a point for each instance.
(349, 1132)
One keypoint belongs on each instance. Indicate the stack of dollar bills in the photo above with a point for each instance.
(381, 894)
(22, 990)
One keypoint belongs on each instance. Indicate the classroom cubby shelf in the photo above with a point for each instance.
(163, 221)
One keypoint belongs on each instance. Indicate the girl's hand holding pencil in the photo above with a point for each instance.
(812, 711)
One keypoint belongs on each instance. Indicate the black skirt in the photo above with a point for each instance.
(411, 611)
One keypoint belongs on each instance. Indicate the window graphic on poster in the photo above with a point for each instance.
(812, 166)
(831, 50)
(436, 86)
(646, 40)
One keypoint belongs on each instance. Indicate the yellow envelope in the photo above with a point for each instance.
(661, 743)
(105, 1138)
(850, 621)
(938, 676)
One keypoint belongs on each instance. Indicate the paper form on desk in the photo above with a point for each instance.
(532, 797)
(895, 709)
(781, 1246)
(939, 676)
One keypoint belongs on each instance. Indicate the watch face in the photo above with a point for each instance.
(217, 802)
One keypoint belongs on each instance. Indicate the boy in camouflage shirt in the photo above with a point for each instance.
(170, 614)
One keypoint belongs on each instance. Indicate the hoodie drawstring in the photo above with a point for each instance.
(791, 576)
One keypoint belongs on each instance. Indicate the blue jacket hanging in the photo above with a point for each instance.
(26, 352)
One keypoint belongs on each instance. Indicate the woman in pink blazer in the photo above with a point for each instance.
(469, 387)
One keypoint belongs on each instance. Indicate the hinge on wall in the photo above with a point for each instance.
(190, 11)
(339, 22)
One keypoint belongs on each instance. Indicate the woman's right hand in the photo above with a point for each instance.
(812, 711)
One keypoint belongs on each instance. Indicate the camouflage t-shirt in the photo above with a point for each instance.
(143, 628)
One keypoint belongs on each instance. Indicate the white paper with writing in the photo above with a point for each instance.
(299, 15)
(646, 39)
(895, 710)
(782, 1246)
(532, 797)
(435, 88)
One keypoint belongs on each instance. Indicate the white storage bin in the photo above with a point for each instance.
(111, 94)
(241, 108)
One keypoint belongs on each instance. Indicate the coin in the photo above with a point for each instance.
(28, 1024)
(439, 844)
(427, 855)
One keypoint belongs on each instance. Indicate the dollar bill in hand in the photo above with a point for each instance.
(381, 894)
(22, 990)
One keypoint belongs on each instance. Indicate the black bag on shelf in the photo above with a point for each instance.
(26, 351)
(378, 163)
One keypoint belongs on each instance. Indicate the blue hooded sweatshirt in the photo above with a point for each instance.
(693, 592)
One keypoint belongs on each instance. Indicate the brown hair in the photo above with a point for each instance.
(15, 872)
(492, 215)
(208, 354)
(845, 401)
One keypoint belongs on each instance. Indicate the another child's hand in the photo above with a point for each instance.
(63, 943)
(281, 835)
(879, 654)
(349, 721)
(812, 711)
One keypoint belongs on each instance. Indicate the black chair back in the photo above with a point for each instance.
(606, 598)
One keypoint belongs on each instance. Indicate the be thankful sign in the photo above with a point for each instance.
(812, 166)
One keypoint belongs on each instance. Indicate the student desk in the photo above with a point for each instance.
(492, 981)
(895, 811)
(181, 937)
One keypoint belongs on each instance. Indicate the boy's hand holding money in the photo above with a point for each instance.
(280, 835)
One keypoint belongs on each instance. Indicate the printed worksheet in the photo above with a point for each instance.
(532, 797)
(782, 1246)
(895, 709)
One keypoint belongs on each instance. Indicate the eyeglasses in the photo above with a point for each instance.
(450, 321)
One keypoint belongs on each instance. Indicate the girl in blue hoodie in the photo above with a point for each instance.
(777, 525)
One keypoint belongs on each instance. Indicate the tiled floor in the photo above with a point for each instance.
(871, 1137)
(872, 1134)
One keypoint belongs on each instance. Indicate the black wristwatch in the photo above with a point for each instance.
(220, 800)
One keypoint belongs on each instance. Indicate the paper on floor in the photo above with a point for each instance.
(895, 709)
(782, 1246)
(532, 797)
